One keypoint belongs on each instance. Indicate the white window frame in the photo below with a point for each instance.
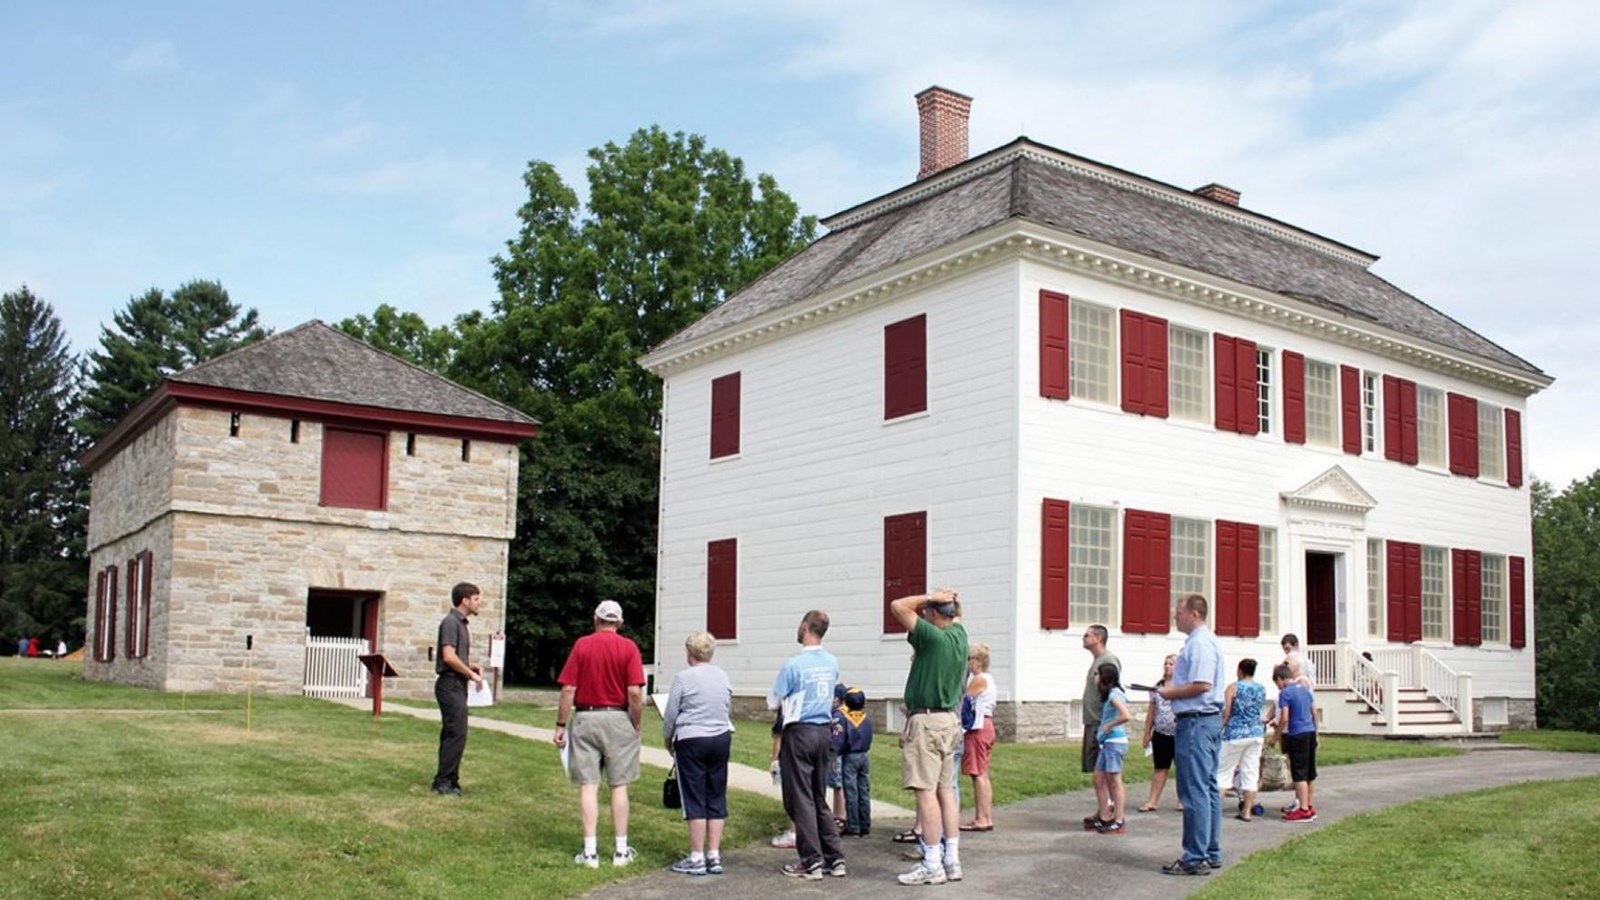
(1369, 412)
(1376, 608)
(1091, 565)
(1436, 589)
(1264, 390)
(1190, 573)
(1322, 403)
(1491, 442)
(1492, 603)
(1188, 374)
(1268, 553)
(1092, 348)
(1432, 432)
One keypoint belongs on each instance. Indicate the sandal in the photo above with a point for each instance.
(974, 826)
(1243, 818)
(909, 836)
(1146, 808)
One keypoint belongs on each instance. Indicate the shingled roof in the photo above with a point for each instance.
(1044, 185)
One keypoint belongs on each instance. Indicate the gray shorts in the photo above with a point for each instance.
(603, 738)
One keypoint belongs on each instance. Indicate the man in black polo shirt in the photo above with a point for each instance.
(450, 662)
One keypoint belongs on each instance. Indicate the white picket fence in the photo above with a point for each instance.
(333, 667)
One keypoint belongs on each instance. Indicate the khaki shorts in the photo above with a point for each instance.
(605, 738)
(928, 760)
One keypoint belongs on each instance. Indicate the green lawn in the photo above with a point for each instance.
(1560, 741)
(177, 800)
(1526, 840)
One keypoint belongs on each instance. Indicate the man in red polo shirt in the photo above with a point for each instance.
(602, 697)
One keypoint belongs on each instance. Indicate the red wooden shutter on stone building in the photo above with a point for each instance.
(1146, 572)
(1294, 397)
(1054, 555)
(905, 367)
(725, 415)
(722, 589)
(1513, 448)
(1519, 601)
(1144, 364)
(1350, 395)
(905, 562)
(355, 468)
(1055, 368)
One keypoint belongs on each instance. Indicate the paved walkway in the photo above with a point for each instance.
(1038, 848)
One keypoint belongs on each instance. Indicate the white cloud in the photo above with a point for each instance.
(155, 56)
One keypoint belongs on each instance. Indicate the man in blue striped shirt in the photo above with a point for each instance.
(804, 691)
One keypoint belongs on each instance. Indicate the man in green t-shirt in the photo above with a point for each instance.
(933, 730)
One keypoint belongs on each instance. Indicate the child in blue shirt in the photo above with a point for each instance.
(1113, 736)
(1297, 730)
(852, 741)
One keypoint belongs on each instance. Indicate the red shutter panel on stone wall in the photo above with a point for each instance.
(1146, 572)
(1519, 601)
(1393, 444)
(1249, 580)
(147, 571)
(905, 367)
(111, 614)
(722, 589)
(1244, 366)
(1227, 375)
(1408, 422)
(99, 615)
(725, 402)
(1225, 614)
(1463, 435)
(905, 562)
(355, 468)
(1350, 396)
(1054, 555)
(1055, 363)
(1294, 397)
(1513, 448)
(1144, 364)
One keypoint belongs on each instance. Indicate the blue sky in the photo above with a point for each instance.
(322, 158)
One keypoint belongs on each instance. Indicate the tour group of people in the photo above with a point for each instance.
(822, 734)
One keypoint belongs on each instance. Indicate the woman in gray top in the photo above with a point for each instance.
(697, 726)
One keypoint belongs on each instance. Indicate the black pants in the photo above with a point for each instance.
(451, 692)
(803, 764)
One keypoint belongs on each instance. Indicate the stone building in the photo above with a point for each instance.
(304, 486)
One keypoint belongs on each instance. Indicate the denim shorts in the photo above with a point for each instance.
(1111, 756)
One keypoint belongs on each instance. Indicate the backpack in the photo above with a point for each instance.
(969, 712)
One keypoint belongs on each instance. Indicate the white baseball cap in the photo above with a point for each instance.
(608, 611)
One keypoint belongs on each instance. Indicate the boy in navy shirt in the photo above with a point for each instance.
(1297, 729)
(852, 741)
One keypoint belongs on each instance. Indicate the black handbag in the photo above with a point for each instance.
(671, 798)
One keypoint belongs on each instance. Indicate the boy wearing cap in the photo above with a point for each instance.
(602, 698)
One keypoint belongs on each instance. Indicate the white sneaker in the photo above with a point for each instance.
(924, 875)
(952, 871)
(784, 841)
(587, 860)
(624, 857)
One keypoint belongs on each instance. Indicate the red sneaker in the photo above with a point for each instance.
(1299, 815)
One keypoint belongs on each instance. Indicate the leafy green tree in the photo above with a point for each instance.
(157, 335)
(42, 511)
(671, 229)
(1566, 601)
(406, 335)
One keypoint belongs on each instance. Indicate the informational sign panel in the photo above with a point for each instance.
(497, 650)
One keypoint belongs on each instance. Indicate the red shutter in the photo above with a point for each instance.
(1474, 597)
(355, 468)
(1225, 612)
(1054, 556)
(1249, 581)
(1146, 572)
(1144, 364)
(99, 615)
(1408, 422)
(1393, 443)
(1350, 395)
(905, 367)
(905, 562)
(1413, 597)
(130, 631)
(1294, 397)
(1396, 578)
(725, 416)
(1459, 585)
(1226, 368)
(1463, 435)
(110, 652)
(1054, 346)
(1519, 602)
(1513, 448)
(722, 589)
(1244, 367)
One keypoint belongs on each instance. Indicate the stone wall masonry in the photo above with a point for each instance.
(236, 576)
(151, 670)
(262, 473)
(133, 487)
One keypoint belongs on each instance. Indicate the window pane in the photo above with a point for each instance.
(1491, 444)
(1191, 545)
(1494, 598)
(1375, 608)
(1091, 568)
(1269, 579)
(1435, 594)
(1264, 393)
(1091, 352)
(1369, 412)
(1322, 426)
(1430, 427)
(1187, 393)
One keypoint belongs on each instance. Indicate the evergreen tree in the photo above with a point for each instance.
(42, 496)
(672, 228)
(157, 335)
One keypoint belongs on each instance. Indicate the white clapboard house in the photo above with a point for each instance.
(1075, 393)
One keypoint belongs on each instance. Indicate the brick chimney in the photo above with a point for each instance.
(942, 116)
(1219, 193)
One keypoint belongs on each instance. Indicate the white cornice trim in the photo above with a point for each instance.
(1314, 494)
(1021, 239)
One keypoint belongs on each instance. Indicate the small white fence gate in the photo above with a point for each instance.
(333, 667)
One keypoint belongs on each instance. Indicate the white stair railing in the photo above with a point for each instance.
(1449, 687)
